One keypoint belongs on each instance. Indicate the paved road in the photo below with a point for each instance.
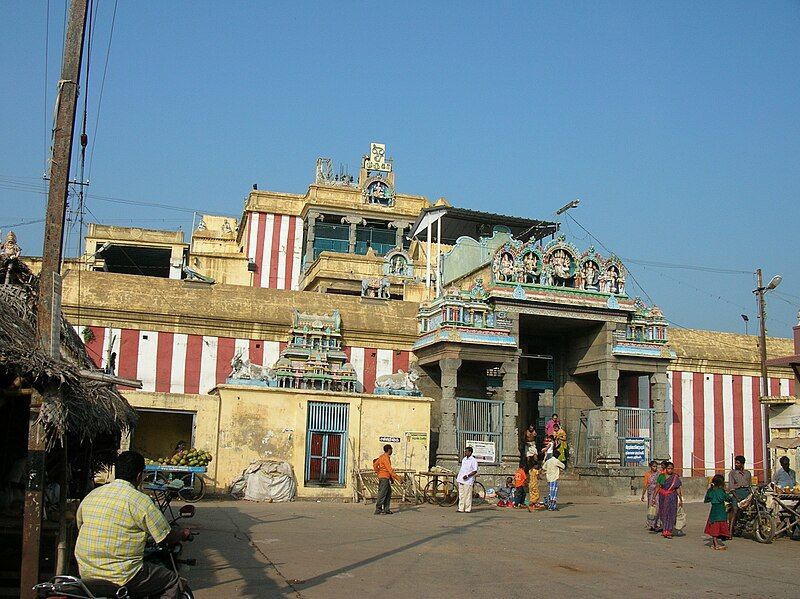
(591, 546)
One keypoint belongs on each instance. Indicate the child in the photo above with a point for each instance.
(717, 526)
(506, 494)
(533, 484)
(548, 448)
(552, 470)
(520, 476)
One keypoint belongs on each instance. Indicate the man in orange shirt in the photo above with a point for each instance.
(386, 474)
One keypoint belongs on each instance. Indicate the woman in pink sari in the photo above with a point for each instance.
(669, 498)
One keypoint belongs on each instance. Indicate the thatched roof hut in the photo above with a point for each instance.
(84, 409)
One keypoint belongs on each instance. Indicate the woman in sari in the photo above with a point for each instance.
(650, 489)
(669, 498)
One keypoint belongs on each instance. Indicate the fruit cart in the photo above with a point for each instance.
(157, 476)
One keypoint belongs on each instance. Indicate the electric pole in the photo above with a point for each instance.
(48, 306)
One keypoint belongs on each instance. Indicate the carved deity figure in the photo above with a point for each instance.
(9, 256)
(530, 266)
(591, 276)
(506, 268)
(397, 266)
(560, 264)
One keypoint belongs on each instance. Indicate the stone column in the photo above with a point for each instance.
(401, 226)
(609, 444)
(447, 451)
(510, 371)
(353, 221)
(311, 219)
(658, 391)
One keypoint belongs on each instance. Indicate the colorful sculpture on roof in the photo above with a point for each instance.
(463, 317)
(314, 359)
(557, 264)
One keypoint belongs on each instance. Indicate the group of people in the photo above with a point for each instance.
(662, 487)
(554, 445)
(662, 490)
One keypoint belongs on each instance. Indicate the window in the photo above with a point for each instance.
(326, 443)
(479, 420)
(331, 238)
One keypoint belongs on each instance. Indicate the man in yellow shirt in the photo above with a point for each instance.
(114, 522)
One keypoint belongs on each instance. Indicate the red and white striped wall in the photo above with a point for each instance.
(710, 417)
(180, 363)
(275, 244)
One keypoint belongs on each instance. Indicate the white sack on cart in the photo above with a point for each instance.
(267, 480)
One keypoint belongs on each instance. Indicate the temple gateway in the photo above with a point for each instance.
(313, 327)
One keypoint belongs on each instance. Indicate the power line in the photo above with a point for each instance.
(602, 245)
(23, 223)
(102, 87)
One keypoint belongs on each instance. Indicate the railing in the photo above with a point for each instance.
(479, 420)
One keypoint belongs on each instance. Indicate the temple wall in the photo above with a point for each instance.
(274, 242)
(710, 416)
(239, 424)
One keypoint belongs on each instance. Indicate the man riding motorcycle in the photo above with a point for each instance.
(114, 522)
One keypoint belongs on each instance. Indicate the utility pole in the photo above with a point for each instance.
(48, 306)
(762, 346)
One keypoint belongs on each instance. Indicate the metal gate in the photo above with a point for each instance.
(635, 435)
(326, 443)
(479, 420)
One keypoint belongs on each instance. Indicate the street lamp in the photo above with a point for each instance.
(565, 207)
(762, 313)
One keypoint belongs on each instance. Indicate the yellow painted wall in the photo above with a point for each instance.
(258, 423)
(205, 408)
(157, 433)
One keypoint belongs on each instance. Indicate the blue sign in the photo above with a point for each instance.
(635, 450)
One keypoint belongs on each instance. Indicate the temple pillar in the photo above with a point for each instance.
(660, 440)
(311, 219)
(510, 371)
(447, 450)
(353, 221)
(401, 227)
(608, 450)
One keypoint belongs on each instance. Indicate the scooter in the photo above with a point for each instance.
(167, 555)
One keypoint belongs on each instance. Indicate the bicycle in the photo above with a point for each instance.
(449, 497)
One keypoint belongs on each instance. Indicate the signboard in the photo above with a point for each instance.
(376, 161)
(411, 436)
(389, 439)
(635, 450)
(484, 452)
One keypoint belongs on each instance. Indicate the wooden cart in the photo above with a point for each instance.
(787, 514)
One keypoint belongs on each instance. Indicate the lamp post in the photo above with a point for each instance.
(760, 290)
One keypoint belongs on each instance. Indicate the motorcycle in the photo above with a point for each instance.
(63, 587)
(754, 517)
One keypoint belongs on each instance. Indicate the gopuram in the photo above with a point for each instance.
(318, 326)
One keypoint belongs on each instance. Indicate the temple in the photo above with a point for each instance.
(435, 326)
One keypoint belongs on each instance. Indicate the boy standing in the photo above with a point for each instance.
(552, 470)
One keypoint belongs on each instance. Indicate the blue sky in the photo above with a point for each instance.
(676, 124)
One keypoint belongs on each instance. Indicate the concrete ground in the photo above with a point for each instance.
(590, 546)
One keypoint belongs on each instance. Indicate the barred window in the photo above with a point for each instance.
(479, 420)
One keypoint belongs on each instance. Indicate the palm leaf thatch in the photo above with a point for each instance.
(83, 409)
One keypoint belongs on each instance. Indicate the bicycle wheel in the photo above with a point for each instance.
(429, 493)
(478, 494)
(446, 493)
(192, 490)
